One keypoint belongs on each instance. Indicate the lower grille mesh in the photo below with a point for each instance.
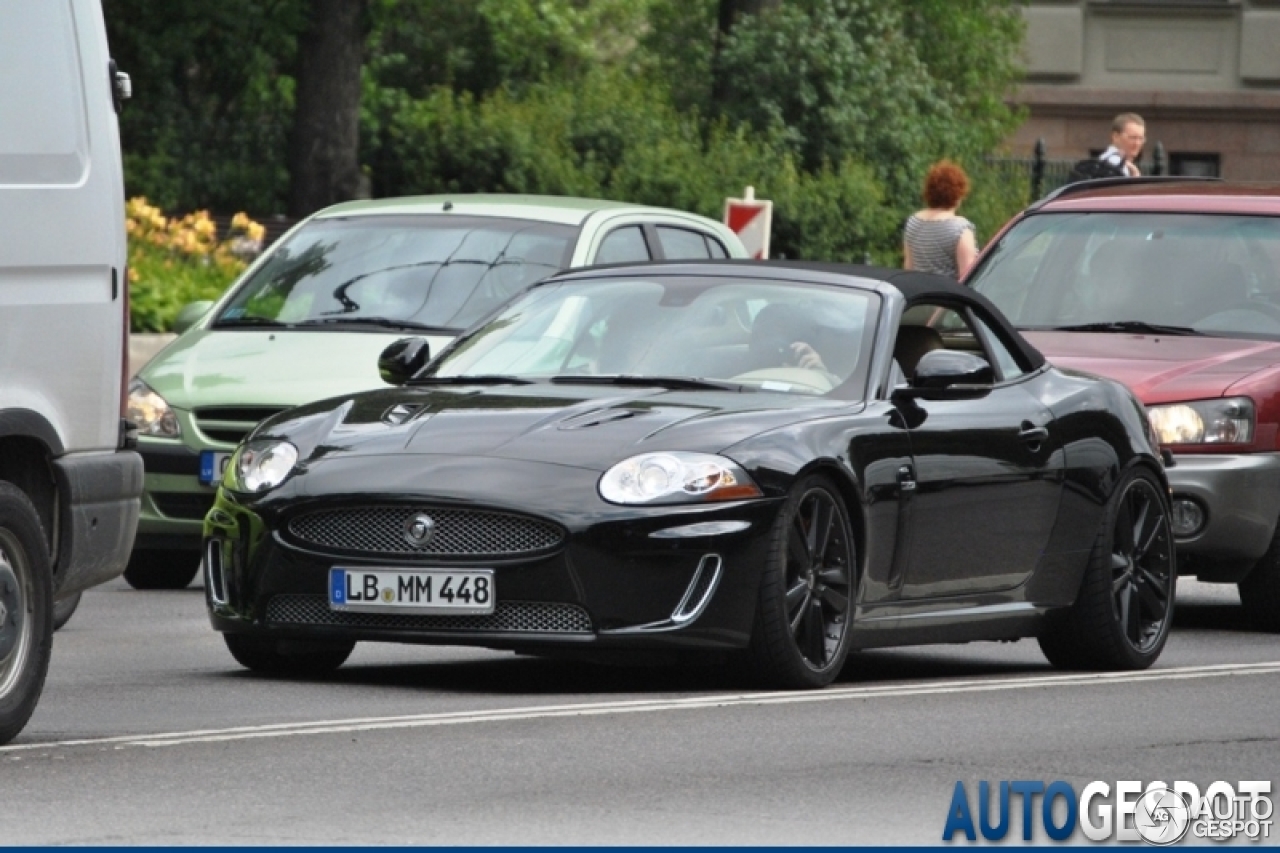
(524, 617)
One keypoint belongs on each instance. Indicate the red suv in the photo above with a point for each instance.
(1173, 287)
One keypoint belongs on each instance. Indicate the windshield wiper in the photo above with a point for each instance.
(248, 322)
(384, 322)
(478, 379)
(675, 383)
(1128, 326)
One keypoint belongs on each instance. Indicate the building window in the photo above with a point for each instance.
(1195, 165)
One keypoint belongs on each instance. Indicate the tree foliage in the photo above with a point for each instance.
(833, 108)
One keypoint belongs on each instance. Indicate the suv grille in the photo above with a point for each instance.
(522, 617)
(230, 424)
(457, 532)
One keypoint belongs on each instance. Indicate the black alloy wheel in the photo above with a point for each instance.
(1122, 616)
(1141, 580)
(802, 632)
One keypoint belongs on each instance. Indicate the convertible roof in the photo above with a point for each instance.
(915, 286)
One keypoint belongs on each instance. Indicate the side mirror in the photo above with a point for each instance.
(190, 315)
(945, 374)
(402, 359)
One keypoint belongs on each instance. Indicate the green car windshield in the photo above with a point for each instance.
(1188, 273)
(430, 272)
(678, 330)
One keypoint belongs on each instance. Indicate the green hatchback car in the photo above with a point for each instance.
(310, 317)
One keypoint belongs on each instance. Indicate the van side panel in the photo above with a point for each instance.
(62, 243)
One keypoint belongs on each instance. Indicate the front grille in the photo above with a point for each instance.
(516, 617)
(458, 532)
(230, 424)
(189, 505)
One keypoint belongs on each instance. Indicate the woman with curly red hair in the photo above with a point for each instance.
(936, 239)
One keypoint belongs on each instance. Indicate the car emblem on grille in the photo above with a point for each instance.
(419, 529)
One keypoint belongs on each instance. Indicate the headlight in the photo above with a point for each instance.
(260, 465)
(150, 412)
(676, 477)
(1226, 421)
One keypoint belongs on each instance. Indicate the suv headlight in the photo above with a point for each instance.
(1226, 421)
(150, 412)
(676, 477)
(259, 466)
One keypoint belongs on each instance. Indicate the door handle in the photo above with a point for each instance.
(1032, 434)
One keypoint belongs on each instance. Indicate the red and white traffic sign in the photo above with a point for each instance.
(751, 219)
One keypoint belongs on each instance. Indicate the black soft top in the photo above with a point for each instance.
(916, 287)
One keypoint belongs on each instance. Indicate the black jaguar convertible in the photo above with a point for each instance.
(778, 461)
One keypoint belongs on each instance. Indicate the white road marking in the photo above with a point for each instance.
(647, 706)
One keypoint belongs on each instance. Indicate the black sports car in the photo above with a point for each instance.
(779, 460)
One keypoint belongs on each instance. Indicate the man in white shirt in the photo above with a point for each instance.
(1128, 135)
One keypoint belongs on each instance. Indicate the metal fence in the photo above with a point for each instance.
(1044, 175)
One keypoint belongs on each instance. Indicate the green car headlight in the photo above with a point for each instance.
(151, 412)
(1226, 421)
(260, 465)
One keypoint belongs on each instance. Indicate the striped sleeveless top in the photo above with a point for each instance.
(933, 243)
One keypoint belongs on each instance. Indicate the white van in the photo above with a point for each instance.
(70, 479)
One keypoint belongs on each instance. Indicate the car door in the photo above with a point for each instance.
(987, 477)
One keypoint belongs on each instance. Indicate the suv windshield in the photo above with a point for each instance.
(437, 271)
(1183, 272)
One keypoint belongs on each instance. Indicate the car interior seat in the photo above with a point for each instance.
(911, 345)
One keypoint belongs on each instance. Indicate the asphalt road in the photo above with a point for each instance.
(149, 733)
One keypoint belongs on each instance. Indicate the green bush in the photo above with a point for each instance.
(610, 136)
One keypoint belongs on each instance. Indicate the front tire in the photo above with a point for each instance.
(804, 613)
(298, 658)
(1260, 590)
(1121, 617)
(26, 630)
(163, 569)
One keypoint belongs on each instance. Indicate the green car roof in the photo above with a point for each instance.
(561, 209)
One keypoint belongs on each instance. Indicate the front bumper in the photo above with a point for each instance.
(174, 501)
(610, 583)
(1240, 495)
(99, 516)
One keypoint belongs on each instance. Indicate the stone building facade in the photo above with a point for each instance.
(1204, 74)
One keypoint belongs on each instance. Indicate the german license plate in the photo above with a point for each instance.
(431, 591)
(212, 464)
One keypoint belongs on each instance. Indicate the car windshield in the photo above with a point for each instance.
(433, 271)
(1177, 273)
(723, 332)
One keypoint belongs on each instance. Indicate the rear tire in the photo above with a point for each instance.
(26, 636)
(1260, 590)
(165, 569)
(802, 631)
(274, 656)
(1121, 617)
(64, 609)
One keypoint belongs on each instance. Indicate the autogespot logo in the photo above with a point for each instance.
(1157, 813)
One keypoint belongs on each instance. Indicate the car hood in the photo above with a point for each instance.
(1160, 368)
(220, 367)
(583, 426)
